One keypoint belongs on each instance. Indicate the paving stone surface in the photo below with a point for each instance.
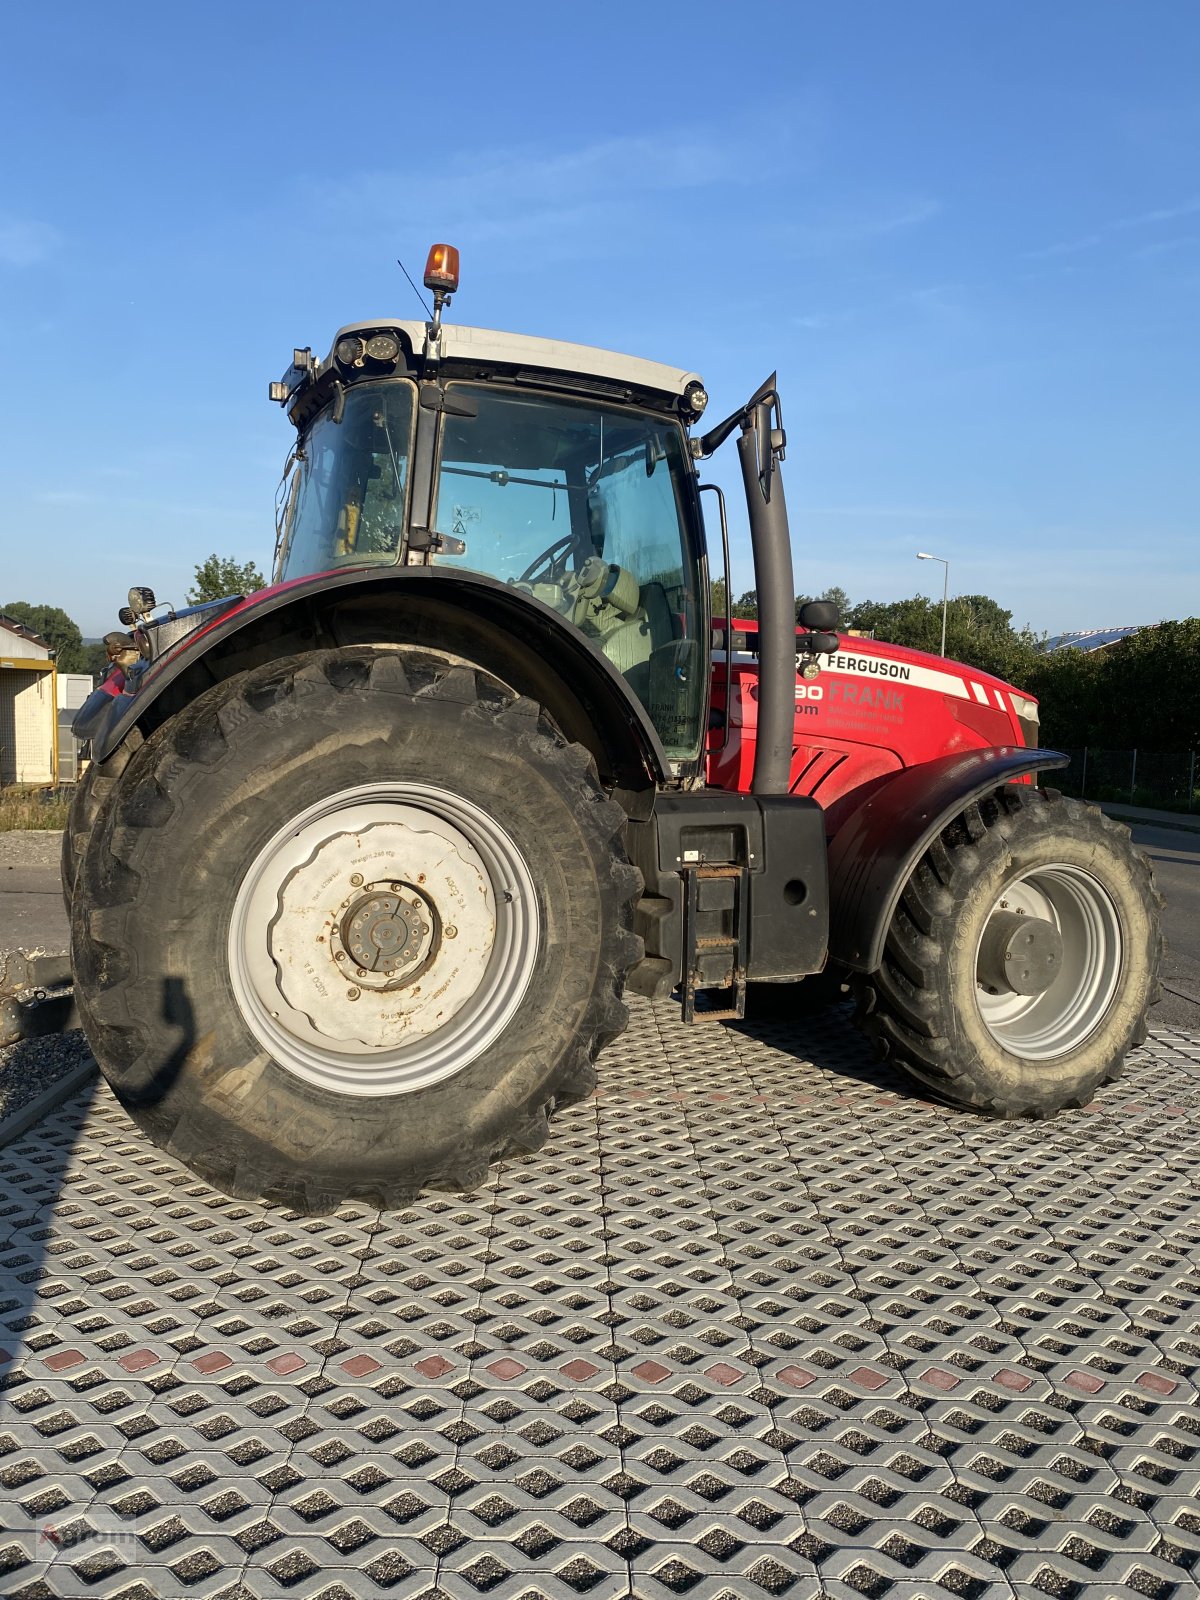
(759, 1321)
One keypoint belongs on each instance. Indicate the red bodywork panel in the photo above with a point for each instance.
(872, 710)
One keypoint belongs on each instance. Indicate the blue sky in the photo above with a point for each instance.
(968, 237)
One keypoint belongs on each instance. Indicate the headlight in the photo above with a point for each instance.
(1027, 716)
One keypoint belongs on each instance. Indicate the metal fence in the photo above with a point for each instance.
(1163, 779)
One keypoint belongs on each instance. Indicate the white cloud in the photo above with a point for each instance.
(24, 243)
(569, 199)
(530, 188)
(828, 234)
(63, 497)
(1142, 219)
(905, 513)
(106, 504)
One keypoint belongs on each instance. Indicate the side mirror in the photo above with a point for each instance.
(767, 436)
(820, 616)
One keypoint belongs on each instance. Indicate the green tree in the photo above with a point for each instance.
(96, 658)
(836, 595)
(58, 630)
(1143, 693)
(979, 632)
(222, 576)
(718, 599)
(1151, 688)
(914, 622)
(746, 604)
(1069, 686)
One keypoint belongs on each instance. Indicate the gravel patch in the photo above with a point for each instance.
(30, 847)
(29, 1068)
(33, 1066)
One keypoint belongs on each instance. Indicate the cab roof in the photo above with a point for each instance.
(491, 347)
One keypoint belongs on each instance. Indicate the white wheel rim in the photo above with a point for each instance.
(383, 939)
(1041, 1026)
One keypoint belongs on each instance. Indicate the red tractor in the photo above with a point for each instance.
(365, 862)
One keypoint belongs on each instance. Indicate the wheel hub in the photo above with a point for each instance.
(349, 953)
(385, 933)
(1048, 962)
(1019, 954)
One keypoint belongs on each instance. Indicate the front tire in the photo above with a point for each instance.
(353, 925)
(1022, 959)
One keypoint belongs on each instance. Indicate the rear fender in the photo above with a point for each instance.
(878, 844)
(518, 639)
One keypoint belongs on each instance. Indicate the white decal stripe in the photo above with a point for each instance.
(979, 692)
(903, 674)
(999, 699)
(895, 674)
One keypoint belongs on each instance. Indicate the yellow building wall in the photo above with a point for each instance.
(28, 721)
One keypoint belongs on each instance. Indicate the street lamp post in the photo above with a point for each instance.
(923, 555)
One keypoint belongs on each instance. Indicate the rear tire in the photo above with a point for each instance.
(936, 1008)
(91, 792)
(216, 923)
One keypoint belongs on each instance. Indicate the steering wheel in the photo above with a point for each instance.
(551, 564)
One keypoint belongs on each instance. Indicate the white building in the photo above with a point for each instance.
(28, 709)
(73, 690)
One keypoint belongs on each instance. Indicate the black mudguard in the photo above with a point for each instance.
(516, 637)
(876, 847)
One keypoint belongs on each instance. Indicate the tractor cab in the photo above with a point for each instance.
(562, 471)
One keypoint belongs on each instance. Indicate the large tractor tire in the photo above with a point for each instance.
(353, 925)
(1023, 958)
(92, 790)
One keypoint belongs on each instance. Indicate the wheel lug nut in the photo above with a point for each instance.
(451, 932)
(352, 994)
(356, 879)
(339, 955)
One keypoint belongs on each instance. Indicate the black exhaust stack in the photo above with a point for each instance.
(761, 448)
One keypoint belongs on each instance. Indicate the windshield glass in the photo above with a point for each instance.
(583, 504)
(346, 500)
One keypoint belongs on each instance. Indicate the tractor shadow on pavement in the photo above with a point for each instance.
(36, 1168)
(56, 1342)
(37, 1354)
(179, 1022)
(828, 1041)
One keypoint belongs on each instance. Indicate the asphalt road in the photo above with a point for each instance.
(1176, 858)
(31, 908)
(32, 915)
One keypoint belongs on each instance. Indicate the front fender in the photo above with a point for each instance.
(507, 632)
(875, 849)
